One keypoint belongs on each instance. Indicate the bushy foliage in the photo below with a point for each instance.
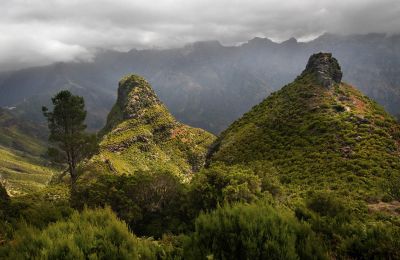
(92, 234)
(42, 207)
(349, 232)
(150, 202)
(392, 186)
(222, 184)
(255, 231)
(4, 207)
(4, 198)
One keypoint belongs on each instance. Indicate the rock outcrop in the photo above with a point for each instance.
(326, 69)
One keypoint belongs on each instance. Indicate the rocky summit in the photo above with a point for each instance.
(326, 69)
(141, 134)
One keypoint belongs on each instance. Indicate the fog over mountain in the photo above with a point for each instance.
(206, 84)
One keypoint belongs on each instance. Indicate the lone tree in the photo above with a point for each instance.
(67, 132)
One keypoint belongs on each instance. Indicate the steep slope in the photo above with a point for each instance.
(206, 84)
(318, 133)
(22, 143)
(141, 134)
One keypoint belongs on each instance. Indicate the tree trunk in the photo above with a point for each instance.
(74, 178)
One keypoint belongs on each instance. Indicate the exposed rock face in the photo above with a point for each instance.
(134, 95)
(325, 67)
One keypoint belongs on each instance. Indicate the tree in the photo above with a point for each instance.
(67, 132)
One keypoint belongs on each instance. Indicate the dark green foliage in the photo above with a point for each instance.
(255, 231)
(222, 184)
(4, 198)
(42, 207)
(392, 186)
(4, 207)
(347, 230)
(150, 202)
(66, 125)
(92, 234)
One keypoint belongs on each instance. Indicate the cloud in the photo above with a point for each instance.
(38, 32)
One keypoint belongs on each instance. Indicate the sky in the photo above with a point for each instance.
(40, 32)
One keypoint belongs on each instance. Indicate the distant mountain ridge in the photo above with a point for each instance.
(206, 84)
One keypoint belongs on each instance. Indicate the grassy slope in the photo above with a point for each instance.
(316, 139)
(21, 145)
(150, 140)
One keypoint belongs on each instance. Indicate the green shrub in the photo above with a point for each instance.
(92, 234)
(42, 207)
(392, 186)
(224, 184)
(150, 202)
(347, 230)
(4, 200)
(255, 231)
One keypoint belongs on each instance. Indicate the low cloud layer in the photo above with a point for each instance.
(38, 32)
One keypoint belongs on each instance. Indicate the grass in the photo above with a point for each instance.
(22, 173)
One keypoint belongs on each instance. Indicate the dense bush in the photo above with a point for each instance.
(150, 202)
(4, 200)
(42, 207)
(4, 206)
(347, 231)
(392, 186)
(92, 234)
(222, 184)
(255, 231)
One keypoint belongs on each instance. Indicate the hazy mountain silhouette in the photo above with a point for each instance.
(206, 84)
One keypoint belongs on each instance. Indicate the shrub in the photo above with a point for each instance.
(224, 184)
(41, 208)
(92, 234)
(392, 186)
(348, 233)
(150, 202)
(255, 231)
(4, 198)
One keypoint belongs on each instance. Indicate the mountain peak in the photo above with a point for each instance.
(141, 134)
(325, 67)
(134, 95)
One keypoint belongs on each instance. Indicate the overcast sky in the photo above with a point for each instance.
(37, 32)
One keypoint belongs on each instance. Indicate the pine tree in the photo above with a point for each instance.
(67, 132)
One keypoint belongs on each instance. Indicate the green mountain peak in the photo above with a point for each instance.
(316, 133)
(141, 134)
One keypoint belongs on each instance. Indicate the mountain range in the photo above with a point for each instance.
(206, 84)
(310, 172)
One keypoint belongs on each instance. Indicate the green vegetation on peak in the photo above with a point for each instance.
(142, 135)
(317, 137)
(135, 95)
